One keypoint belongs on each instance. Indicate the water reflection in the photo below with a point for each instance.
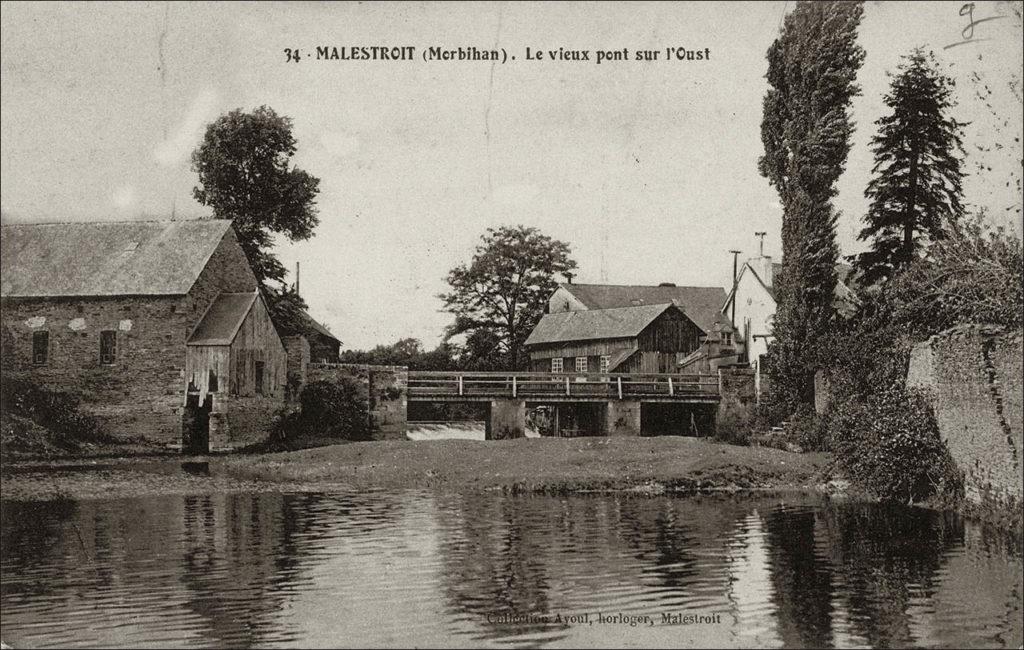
(350, 569)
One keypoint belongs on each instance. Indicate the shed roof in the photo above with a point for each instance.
(106, 258)
(222, 319)
(702, 305)
(314, 325)
(591, 324)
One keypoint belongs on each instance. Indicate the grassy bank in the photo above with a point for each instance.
(550, 465)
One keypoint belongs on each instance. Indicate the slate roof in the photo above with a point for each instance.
(595, 324)
(106, 258)
(312, 324)
(703, 305)
(222, 319)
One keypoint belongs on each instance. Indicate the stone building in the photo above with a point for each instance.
(158, 326)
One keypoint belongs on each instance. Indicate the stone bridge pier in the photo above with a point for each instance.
(506, 420)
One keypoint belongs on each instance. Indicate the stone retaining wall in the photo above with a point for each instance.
(973, 376)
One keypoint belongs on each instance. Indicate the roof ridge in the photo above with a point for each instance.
(638, 286)
(103, 221)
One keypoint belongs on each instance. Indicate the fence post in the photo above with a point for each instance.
(513, 385)
(619, 381)
(567, 387)
(460, 384)
(670, 389)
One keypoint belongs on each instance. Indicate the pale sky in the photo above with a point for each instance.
(648, 170)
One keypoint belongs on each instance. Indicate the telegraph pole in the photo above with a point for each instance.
(735, 258)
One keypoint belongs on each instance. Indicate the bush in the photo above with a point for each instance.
(53, 410)
(888, 444)
(339, 409)
(808, 430)
(735, 425)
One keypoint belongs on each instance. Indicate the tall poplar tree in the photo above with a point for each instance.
(806, 129)
(916, 189)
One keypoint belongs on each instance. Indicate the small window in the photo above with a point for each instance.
(108, 346)
(40, 347)
(174, 308)
(80, 309)
(556, 364)
(605, 363)
(581, 364)
(258, 376)
(211, 385)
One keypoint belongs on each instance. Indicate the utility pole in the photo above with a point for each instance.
(735, 260)
(761, 234)
(296, 278)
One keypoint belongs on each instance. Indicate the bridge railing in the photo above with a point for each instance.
(539, 385)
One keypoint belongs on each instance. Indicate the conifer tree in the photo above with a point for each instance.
(812, 67)
(916, 189)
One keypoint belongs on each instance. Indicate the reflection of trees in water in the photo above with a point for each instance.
(881, 553)
(243, 554)
(494, 560)
(546, 555)
(801, 579)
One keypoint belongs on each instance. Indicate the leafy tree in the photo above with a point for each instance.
(916, 191)
(404, 352)
(287, 307)
(246, 175)
(504, 289)
(806, 130)
(975, 275)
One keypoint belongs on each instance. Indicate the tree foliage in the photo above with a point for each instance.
(504, 288)
(246, 175)
(407, 352)
(975, 275)
(916, 191)
(806, 129)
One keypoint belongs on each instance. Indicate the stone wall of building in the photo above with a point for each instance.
(141, 393)
(296, 348)
(973, 376)
(386, 386)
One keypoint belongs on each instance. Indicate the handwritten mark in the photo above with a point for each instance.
(968, 32)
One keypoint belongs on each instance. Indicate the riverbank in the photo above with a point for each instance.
(541, 465)
(546, 465)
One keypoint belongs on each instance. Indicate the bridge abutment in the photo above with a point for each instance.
(507, 419)
(622, 418)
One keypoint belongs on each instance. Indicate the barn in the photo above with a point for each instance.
(632, 329)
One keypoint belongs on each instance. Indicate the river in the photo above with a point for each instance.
(257, 568)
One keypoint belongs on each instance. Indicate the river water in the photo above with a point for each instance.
(309, 569)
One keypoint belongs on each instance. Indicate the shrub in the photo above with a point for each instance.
(53, 410)
(888, 444)
(735, 425)
(807, 429)
(335, 408)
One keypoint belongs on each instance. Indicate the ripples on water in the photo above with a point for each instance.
(375, 569)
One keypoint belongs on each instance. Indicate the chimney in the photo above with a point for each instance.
(568, 276)
(763, 266)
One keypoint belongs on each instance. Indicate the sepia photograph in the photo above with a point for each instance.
(512, 324)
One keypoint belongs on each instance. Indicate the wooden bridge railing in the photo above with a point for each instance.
(540, 385)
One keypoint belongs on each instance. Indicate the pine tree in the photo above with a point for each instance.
(915, 193)
(806, 129)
